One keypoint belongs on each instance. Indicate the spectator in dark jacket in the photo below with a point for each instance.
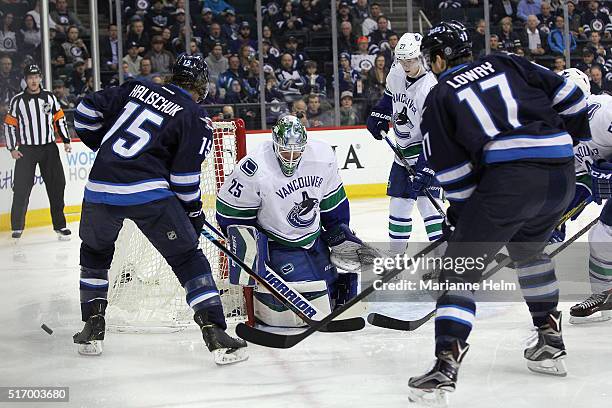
(138, 35)
(546, 17)
(215, 36)
(598, 81)
(311, 15)
(533, 40)
(508, 39)
(347, 41)
(501, 9)
(288, 19)
(314, 83)
(157, 19)
(244, 38)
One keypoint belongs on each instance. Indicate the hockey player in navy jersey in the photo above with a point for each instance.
(151, 141)
(498, 132)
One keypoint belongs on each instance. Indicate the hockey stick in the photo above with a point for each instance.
(503, 261)
(279, 340)
(410, 171)
(292, 299)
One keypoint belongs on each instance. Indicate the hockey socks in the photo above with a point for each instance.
(455, 311)
(539, 287)
(93, 286)
(400, 224)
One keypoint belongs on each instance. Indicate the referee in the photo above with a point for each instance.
(33, 118)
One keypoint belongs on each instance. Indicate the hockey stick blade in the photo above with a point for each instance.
(503, 260)
(284, 341)
(388, 322)
(351, 324)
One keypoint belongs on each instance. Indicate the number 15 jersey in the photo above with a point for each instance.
(150, 141)
(500, 108)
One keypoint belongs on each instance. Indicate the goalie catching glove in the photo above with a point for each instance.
(348, 252)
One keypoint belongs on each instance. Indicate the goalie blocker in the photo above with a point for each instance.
(313, 274)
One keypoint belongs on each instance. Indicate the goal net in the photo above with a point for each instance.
(144, 294)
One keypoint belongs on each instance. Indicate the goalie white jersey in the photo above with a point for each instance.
(289, 210)
(600, 145)
(408, 96)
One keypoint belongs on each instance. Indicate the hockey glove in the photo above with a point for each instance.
(197, 220)
(348, 252)
(601, 175)
(423, 179)
(558, 235)
(378, 122)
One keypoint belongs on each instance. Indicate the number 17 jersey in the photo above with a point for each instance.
(150, 141)
(500, 108)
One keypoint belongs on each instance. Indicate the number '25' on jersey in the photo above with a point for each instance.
(500, 108)
(151, 141)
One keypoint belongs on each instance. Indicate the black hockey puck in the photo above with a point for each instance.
(46, 328)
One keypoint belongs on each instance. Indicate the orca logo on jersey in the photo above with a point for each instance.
(300, 210)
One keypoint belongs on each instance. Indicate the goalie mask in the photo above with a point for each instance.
(408, 54)
(289, 137)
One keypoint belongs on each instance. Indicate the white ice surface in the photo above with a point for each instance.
(369, 368)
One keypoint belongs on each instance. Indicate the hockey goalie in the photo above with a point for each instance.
(289, 198)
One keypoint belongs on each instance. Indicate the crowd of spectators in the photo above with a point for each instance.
(535, 29)
(297, 53)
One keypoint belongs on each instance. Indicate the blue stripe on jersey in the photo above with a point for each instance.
(519, 147)
(142, 197)
(521, 153)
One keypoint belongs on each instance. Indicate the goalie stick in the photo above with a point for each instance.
(400, 156)
(503, 261)
(284, 341)
(352, 324)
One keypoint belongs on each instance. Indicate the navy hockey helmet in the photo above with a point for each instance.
(191, 70)
(449, 39)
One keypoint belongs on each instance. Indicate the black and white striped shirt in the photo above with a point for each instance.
(33, 119)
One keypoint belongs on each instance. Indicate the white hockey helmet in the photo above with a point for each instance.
(408, 46)
(579, 78)
(408, 54)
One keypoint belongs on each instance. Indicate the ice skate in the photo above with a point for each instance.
(16, 236)
(548, 354)
(596, 308)
(431, 388)
(225, 349)
(63, 234)
(90, 340)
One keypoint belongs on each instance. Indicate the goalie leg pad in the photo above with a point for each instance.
(269, 311)
(251, 246)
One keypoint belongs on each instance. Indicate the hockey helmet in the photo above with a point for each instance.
(289, 138)
(31, 69)
(450, 40)
(408, 53)
(192, 70)
(579, 78)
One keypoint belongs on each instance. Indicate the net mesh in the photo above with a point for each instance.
(144, 294)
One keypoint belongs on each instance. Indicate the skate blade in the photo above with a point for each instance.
(598, 317)
(428, 398)
(554, 367)
(225, 356)
(64, 237)
(93, 348)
